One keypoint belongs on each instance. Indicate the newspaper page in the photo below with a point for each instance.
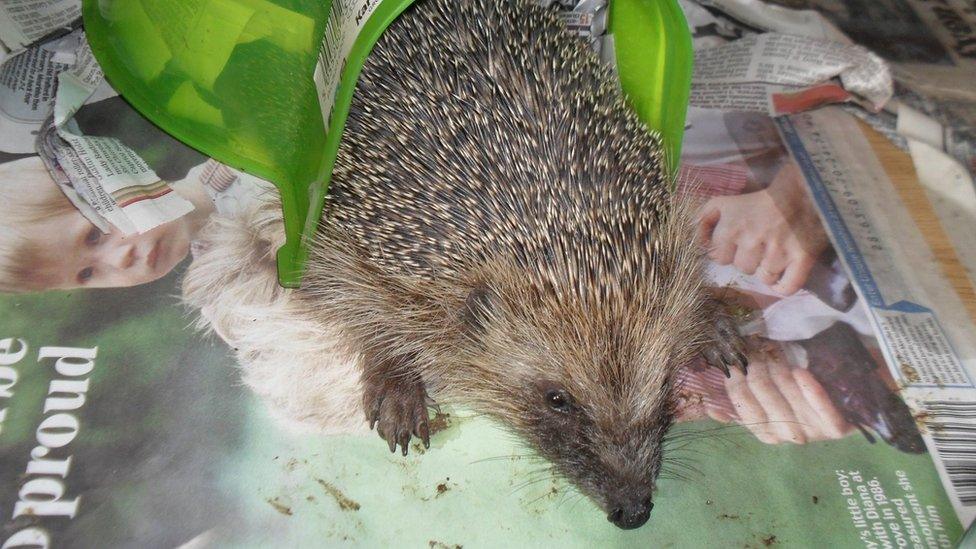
(110, 177)
(956, 131)
(930, 43)
(903, 309)
(27, 86)
(158, 389)
(24, 22)
(782, 73)
(938, 133)
(926, 330)
(778, 73)
(100, 175)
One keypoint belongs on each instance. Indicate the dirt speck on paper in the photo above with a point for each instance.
(769, 540)
(910, 373)
(278, 506)
(442, 488)
(439, 422)
(728, 516)
(816, 500)
(434, 544)
(925, 422)
(344, 502)
(738, 312)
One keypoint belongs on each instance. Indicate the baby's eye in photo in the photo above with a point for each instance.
(85, 274)
(93, 236)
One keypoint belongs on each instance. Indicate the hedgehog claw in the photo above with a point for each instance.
(743, 362)
(399, 411)
(725, 350)
(724, 366)
(714, 358)
(404, 440)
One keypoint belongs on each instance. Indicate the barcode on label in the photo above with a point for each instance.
(346, 20)
(952, 426)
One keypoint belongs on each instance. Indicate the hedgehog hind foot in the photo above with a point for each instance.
(397, 407)
(725, 349)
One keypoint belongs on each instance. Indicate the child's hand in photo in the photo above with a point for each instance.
(779, 403)
(773, 233)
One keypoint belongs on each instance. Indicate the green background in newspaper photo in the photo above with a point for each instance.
(171, 448)
(234, 79)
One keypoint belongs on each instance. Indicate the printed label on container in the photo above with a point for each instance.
(346, 20)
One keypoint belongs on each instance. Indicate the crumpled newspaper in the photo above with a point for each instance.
(106, 180)
(588, 20)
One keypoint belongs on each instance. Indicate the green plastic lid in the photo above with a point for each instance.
(236, 80)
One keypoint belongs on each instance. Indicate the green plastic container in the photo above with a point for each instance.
(234, 79)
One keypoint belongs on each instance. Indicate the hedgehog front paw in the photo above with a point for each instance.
(397, 407)
(726, 347)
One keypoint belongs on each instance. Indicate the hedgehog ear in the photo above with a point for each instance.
(478, 307)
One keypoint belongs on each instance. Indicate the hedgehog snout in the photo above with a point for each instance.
(629, 508)
(627, 489)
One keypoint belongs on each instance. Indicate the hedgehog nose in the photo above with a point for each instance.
(632, 514)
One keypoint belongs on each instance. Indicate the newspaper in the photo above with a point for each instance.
(24, 22)
(781, 74)
(928, 44)
(105, 179)
(947, 182)
(927, 350)
(113, 180)
(927, 333)
(27, 86)
(957, 125)
(938, 133)
(119, 421)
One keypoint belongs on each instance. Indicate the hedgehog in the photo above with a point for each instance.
(501, 233)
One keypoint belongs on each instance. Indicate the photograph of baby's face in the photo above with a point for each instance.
(47, 244)
(77, 254)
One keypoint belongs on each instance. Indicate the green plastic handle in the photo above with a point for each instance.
(654, 62)
(234, 79)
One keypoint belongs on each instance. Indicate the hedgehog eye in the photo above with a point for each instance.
(559, 400)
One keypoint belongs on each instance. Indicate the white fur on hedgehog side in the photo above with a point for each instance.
(290, 361)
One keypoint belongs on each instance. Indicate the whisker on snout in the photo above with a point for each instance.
(509, 457)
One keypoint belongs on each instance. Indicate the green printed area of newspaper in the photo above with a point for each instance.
(166, 447)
